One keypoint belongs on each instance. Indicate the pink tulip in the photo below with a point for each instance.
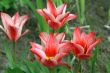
(12, 26)
(52, 50)
(83, 44)
(56, 17)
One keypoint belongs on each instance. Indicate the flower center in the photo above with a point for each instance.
(83, 44)
(50, 52)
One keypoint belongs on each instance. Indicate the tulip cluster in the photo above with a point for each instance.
(53, 47)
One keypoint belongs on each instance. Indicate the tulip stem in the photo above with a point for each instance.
(14, 48)
(52, 70)
(53, 30)
(73, 59)
(78, 68)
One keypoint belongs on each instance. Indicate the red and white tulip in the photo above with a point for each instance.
(83, 44)
(12, 26)
(52, 50)
(56, 17)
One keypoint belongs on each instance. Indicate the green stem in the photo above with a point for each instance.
(78, 68)
(109, 13)
(78, 9)
(53, 30)
(14, 48)
(52, 70)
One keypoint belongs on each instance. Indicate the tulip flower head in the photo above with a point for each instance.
(12, 26)
(83, 44)
(56, 17)
(53, 49)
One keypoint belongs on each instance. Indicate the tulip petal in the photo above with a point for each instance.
(6, 20)
(71, 16)
(54, 24)
(60, 56)
(51, 7)
(49, 15)
(12, 32)
(40, 12)
(83, 36)
(90, 38)
(84, 39)
(1, 27)
(84, 56)
(22, 20)
(76, 34)
(21, 35)
(60, 37)
(49, 63)
(46, 17)
(15, 18)
(59, 17)
(65, 16)
(65, 47)
(34, 45)
(61, 9)
(91, 46)
(38, 52)
(44, 36)
(50, 40)
(77, 49)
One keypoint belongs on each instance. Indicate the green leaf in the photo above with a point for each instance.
(15, 70)
(41, 22)
(35, 67)
(109, 13)
(24, 54)
(62, 69)
(108, 67)
(93, 60)
(9, 55)
(5, 3)
(81, 10)
(58, 2)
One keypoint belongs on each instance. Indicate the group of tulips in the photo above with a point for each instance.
(54, 47)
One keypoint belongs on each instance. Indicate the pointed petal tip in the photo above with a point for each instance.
(27, 17)
(32, 50)
(65, 4)
(63, 33)
(75, 16)
(31, 43)
(1, 27)
(17, 13)
(41, 34)
(77, 28)
(99, 39)
(93, 33)
(2, 14)
(39, 11)
(25, 32)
